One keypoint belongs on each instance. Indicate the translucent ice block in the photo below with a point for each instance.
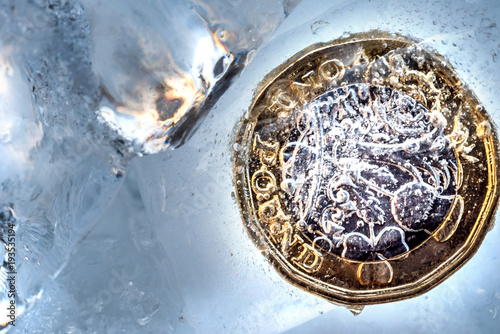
(165, 64)
(86, 85)
(223, 278)
(176, 255)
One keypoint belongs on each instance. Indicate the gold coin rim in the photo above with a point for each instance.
(375, 294)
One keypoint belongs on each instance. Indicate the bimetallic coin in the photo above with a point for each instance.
(366, 170)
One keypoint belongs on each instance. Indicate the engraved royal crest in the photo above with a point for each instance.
(368, 172)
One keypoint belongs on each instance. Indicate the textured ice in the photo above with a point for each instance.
(59, 169)
(164, 64)
(86, 85)
(170, 254)
(186, 194)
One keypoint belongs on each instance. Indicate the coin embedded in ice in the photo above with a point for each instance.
(367, 171)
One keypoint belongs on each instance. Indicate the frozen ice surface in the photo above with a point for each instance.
(187, 192)
(119, 279)
(84, 86)
(57, 160)
(171, 254)
(164, 63)
(124, 277)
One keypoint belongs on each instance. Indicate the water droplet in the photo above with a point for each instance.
(483, 130)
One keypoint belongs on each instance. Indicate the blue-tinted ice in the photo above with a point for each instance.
(85, 86)
(170, 253)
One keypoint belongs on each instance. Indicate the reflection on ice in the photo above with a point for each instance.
(86, 85)
(72, 58)
(20, 130)
(164, 65)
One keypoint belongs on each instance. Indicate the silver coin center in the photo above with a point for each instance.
(368, 172)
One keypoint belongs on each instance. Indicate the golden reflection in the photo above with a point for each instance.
(148, 121)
